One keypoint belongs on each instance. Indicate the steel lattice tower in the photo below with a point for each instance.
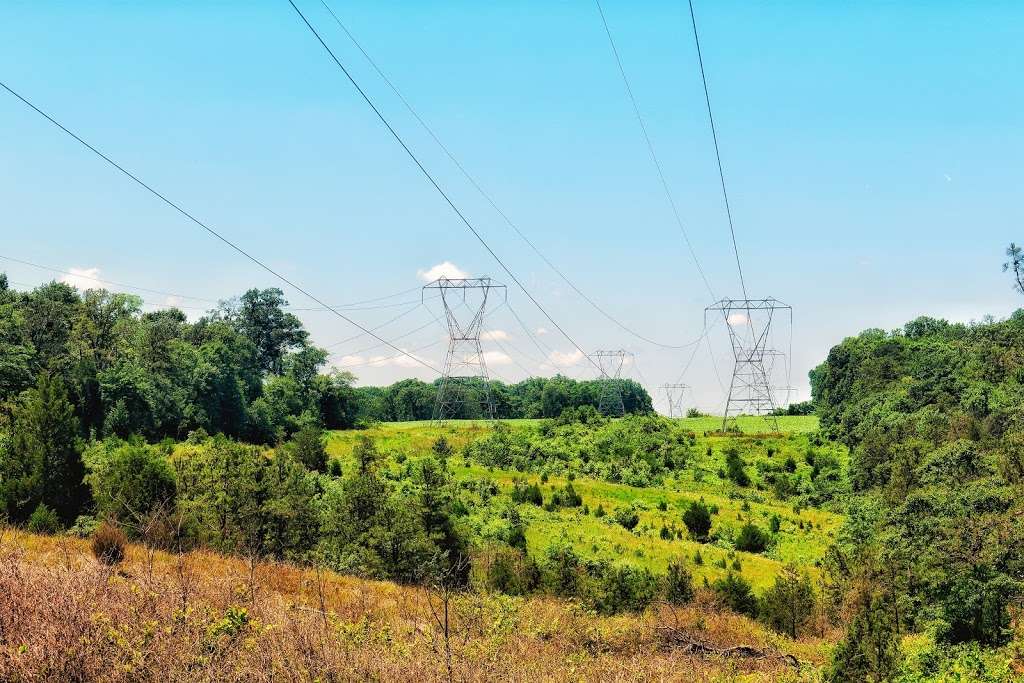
(609, 364)
(749, 322)
(464, 378)
(674, 396)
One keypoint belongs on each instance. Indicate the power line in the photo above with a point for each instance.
(430, 177)
(487, 197)
(718, 155)
(103, 281)
(650, 149)
(203, 225)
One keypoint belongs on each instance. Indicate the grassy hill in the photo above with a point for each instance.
(803, 536)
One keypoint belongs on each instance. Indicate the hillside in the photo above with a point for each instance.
(205, 617)
(803, 536)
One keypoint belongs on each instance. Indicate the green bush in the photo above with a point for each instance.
(735, 593)
(734, 466)
(697, 519)
(527, 493)
(307, 446)
(789, 604)
(510, 571)
(752, 539)
(624, 588)
(627, 517)
(678, 582)
(43, 520)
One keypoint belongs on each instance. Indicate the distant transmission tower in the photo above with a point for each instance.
(749, 322)
(674, 394)
(610, 364)
(464, 379)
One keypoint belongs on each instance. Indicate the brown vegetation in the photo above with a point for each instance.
(204, 617)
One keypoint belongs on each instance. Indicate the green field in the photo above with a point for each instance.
(803, 536)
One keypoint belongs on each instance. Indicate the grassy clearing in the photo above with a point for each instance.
(803, 537)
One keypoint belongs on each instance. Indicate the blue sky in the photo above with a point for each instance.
(873, 154)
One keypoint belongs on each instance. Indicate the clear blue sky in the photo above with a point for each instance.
(873, 152)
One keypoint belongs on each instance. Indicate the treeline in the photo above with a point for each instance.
(934, 417)
(536, 397)
(246, 370)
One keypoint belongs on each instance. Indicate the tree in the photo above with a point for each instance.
(752, 539)
(307, 447)
(870, 650)
(734, 467)
(735, 592)
(678, 582)
(129, 481)
(1015, 264)
(43, 463)
(259, 315)
(697, 519)
(788, 605)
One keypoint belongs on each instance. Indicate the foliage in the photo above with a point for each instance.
(627, 517)
(932, 413)
(678, 582)
(752, 539)
(307, 447)
(42, 463)
(697, 519)
(43, 520)
(129, 481)
(735, 593)
(108, 544)
(789, 604)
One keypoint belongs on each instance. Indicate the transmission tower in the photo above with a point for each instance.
(464, 379)
(609, 364)
(749, 322)
(674, 394)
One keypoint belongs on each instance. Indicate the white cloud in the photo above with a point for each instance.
(443, 269)
(497, 358)
(82, 278)
(173, 301)
(541, 331)
(351, 360)
(492, 335)
(560, 358)
(735, 319)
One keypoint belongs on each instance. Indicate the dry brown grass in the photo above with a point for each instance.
(199, 617)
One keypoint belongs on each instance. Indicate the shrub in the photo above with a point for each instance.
(697, 519)
(108, 544)
(752, 539)
(599, 512)
(678, 582)
(510, 571)
(84, 526)
(129, 481)
(788, 605)
(441, 447)
(307, 445)
(735, 593)
(44, 520)
(566, 497)
(775, 524)
(627, 517)
(527, 493)
(734, 468)
(624, 588)
(698, 559)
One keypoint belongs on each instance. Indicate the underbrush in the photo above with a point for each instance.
(202, 616)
